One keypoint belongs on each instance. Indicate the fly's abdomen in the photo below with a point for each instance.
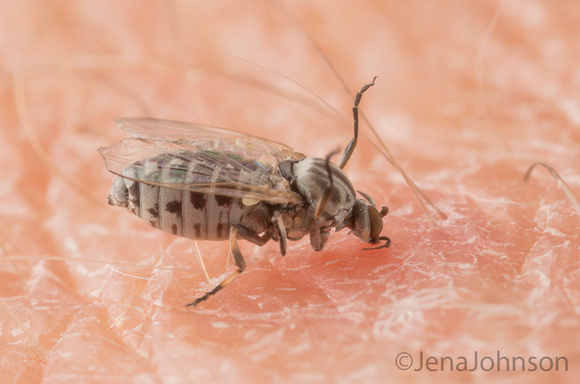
(182, 212)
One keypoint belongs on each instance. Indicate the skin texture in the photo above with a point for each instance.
(468, 96)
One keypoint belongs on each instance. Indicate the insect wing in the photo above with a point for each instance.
(186, 156)
(206, 138)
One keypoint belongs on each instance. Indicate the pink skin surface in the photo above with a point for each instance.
(468, 96)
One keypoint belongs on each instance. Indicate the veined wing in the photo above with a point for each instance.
(201, 159)
(206, 138)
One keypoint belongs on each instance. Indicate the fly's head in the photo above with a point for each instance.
(366, 222)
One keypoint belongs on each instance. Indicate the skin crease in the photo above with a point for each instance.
(468, 96)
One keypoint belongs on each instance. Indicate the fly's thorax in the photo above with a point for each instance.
(309, 177)
(298, 220)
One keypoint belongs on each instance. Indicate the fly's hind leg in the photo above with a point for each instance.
(246, 234)
(238, 260)
(199, 261)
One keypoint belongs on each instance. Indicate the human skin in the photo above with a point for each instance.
(468, 96)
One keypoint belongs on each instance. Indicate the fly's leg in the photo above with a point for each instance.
(199, 261)
(352, 145)
(327, 194)
(246, 234)
(318, 237)
(281, 229)
(238, 260)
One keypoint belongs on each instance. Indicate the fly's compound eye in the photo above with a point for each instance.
(360, 224)
(367, 223)
(376, 222)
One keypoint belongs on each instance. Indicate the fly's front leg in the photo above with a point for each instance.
(281, 229)
(318, 237)
(327, 194)
(352, 145)
(246, 234)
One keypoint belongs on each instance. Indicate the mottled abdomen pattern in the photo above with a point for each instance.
(181, 212)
